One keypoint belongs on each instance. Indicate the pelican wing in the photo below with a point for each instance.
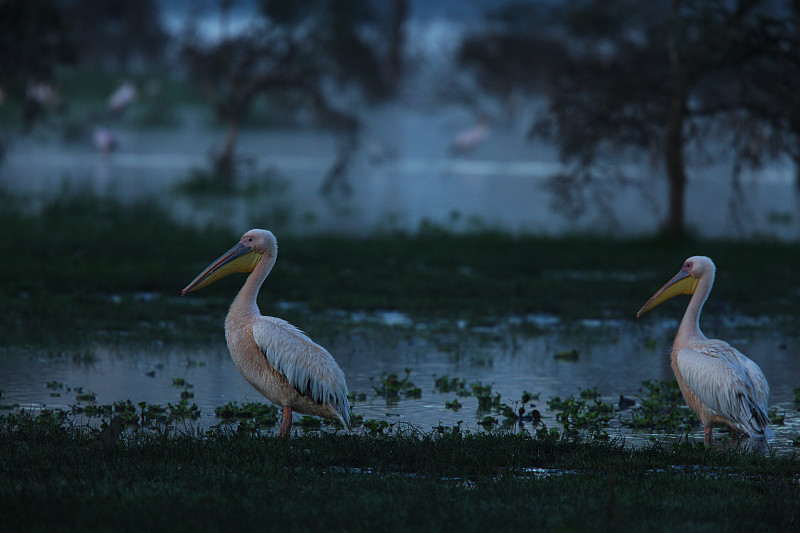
(721, 380)
(307, 366)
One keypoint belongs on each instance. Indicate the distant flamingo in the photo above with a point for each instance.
(104, 140)
(469, 139)
(122, 98)
(275, 357)
(718, 382)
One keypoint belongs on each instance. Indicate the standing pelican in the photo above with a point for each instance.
(275, 357)
(718, 382)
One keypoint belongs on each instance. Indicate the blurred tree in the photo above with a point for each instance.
(769, 88)
(663, 77)
(235, 70)
(34, 42)
(362, 39)
(299, 48)
(118, 34)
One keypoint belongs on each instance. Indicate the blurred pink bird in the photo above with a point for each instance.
(469, 139)
(104, 140)
(122, 98)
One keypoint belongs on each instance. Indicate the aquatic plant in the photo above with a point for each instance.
(309, 423)
(775, 418)
(455, 405)
(86, 396)
(391, 386)
(375, 427)
(488, 422)
(445, 384)
(454, 431)
(588, 393)
(181, 411)
(661, 406)
(260, 415)
(354, 396)
(579, 414)
(567, 355)
(486, 400)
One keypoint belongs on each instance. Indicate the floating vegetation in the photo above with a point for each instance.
(258, 415)
(357, 396)
(486, 400)
(488, 422)
(309, 423)
(85, 396)
(375, 427)
(567, 355)
(449, 430)
(518, 413)
(445, 384)
(391, 387)
(661, 407)
(588, 393)
(775, 418)
(579, 414)
(455, 405)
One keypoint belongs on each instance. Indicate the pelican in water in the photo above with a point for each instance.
(275, 357)
(718, 382)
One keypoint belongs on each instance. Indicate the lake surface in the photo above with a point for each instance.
(615, 356)
(405, 173)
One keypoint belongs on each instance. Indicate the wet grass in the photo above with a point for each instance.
(52, 478)
(85, 269)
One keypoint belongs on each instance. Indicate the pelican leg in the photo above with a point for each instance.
(286, 424)
(707, 433)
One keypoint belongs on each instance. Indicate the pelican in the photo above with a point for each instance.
(718, 382)
(275, 357)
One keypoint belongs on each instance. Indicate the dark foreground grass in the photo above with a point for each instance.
(51, 481)
(85, 268)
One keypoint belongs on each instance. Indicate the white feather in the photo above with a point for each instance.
(307, 366)
(728, 383)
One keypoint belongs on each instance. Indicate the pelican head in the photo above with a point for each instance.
(243, 257)
(684, 282)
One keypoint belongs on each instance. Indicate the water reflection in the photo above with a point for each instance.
(615, 357)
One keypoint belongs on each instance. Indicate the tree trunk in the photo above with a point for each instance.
(673, 141)
(225, 163)
(675, 165)
(396, 42)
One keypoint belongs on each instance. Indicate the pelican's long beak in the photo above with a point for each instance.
(240, 258)
(682, 283)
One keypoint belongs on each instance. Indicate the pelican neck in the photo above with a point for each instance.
(246, 301)
(690, 324)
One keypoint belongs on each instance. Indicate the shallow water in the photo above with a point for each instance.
(616, 357)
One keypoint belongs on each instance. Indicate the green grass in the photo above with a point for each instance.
(50, 480)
